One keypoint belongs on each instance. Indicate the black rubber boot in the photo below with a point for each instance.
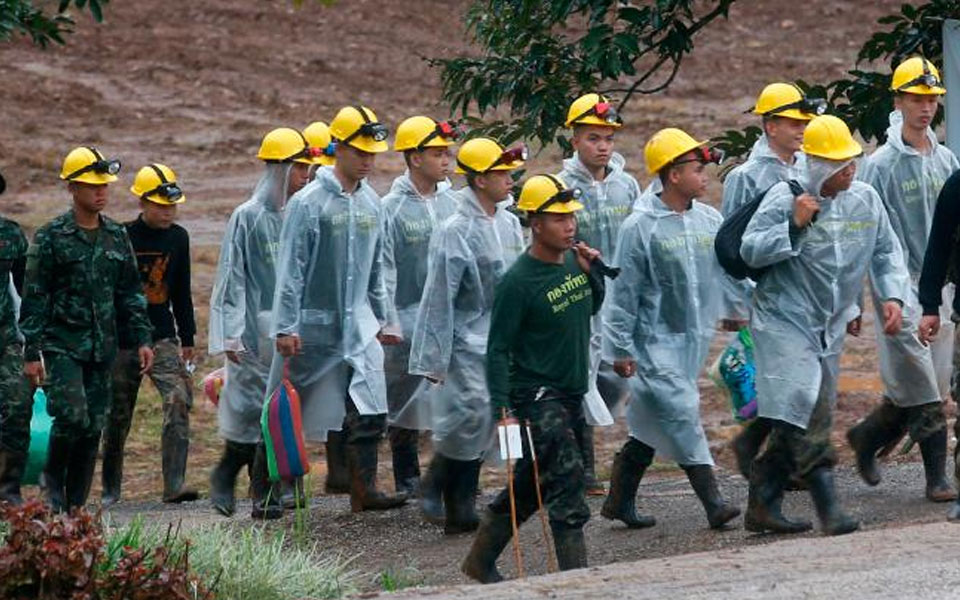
(954, 513)
(570, 546)
(594, 487)
(431, 490)
(492, 537)
(628, 467)
(11, 471)
(764, 504)
(748, 442)
(933, 449)
(833, 521)
(704, 483)
(266, 494)
(459, 496)
(293, 494)
(223, 478)
(80, 468)
(884, 424)
(406, 461)
(174, 451)
(111, 475)
(362, 460)
(54, 479)
(338, 473)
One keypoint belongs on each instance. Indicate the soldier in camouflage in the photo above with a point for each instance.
(15, 406)
(81, 284)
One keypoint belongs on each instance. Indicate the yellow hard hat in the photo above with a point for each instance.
(480, 155)
(593, 109)
(667, 145)
(417, 133)
(318, 136)
(548, 194)
(829, 137)
(357, 126)
(788, 101)
(917, 75)
(87, 165)
(158, 184)
(285, 144)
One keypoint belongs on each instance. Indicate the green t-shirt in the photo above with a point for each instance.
(540, 329)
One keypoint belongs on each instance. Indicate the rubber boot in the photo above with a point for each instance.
(833, 521)
(431, 490)
(223, 478)
(954, 513)
(704, 483)
(338, 474)
(933, 449)
(748, 442)
(628, 467)
(492, 537)
(174, 449)
(883, 424)
(765, 499)
(406, 462)
(293, 494)
(54, 479)
(362, 460)
(80, 468)
(459, 497)
(570, 546)
(111, 475)
(594, 487)
(266, 495)
(11, 471)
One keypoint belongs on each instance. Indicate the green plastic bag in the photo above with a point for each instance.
(39, 439)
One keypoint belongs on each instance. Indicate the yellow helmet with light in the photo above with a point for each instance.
(85, 164)
(357, 126)
(829, 137)
(481, 155)
(917, 75)
(285, 144)
(318, 136)
(788, 101)
(666, 146)
(417, 133)
(158, 184)
(593, 109)
(548, 194)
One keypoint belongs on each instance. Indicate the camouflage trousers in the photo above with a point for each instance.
(556, 425)
(801, 451)
(78, 395)
(171, 380)
(16, 401)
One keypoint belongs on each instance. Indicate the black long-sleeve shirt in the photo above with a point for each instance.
(943, 248)
(163, 260)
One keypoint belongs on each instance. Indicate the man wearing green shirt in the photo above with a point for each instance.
(537, 365)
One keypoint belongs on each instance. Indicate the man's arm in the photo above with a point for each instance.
(772, 235)
(626, 293)
(505, 327)
(128, 298)
(181, 299)
(35, 308)
(228, 301)
(941, 245)
(297, 240)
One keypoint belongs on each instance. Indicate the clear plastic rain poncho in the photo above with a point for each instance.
(330, 293)
(662, 312)
(409, 219)
(803, 303)
(606, 204)
(909, 183)
(241, 304)
(762, 169)
(469, 254)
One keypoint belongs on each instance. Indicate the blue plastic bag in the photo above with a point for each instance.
(40, 424)
(735, 372)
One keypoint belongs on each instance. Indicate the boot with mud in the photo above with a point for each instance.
(174, 449)
(11, 471)
(879, 428)
(459, 497)
(587, 451)
(933, 449)
(80, 468)
(111, 476)
(338, 474)
(54, 478)
(747, 444)
(628, 467)
(704, 483)
(293, 494)
(431, 489)
(265, 494)
(492, 537)
(833, 521)
(223, 479)
(406, 460)
(765, 499)
(362, 461)
(570, 546)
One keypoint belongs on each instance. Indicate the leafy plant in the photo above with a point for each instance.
(26, 18)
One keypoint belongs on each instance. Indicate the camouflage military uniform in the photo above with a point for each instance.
(15, 403)
(80, 284)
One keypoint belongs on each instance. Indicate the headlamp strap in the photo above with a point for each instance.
(159, 173)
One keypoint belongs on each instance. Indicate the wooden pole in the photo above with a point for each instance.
(513, 507)
(547, 540)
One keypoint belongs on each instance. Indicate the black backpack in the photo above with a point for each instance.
(730, 236)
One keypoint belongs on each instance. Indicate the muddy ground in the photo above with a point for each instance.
(196, 84)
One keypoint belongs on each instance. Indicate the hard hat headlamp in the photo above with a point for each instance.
(374, 130)
(512, 155)
(810, 106)
(444, 129)
(926, 78)
(704, 156)
(168, 190)
(329, 150)
(603, 110)
(101, 165)
(561, 197)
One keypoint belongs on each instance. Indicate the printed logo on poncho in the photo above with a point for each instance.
(416, 230)
(362, 221)
(605, 217)
(575, 288)
(912, 189)
(695, 240)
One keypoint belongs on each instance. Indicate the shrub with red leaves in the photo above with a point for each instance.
(47, 556)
